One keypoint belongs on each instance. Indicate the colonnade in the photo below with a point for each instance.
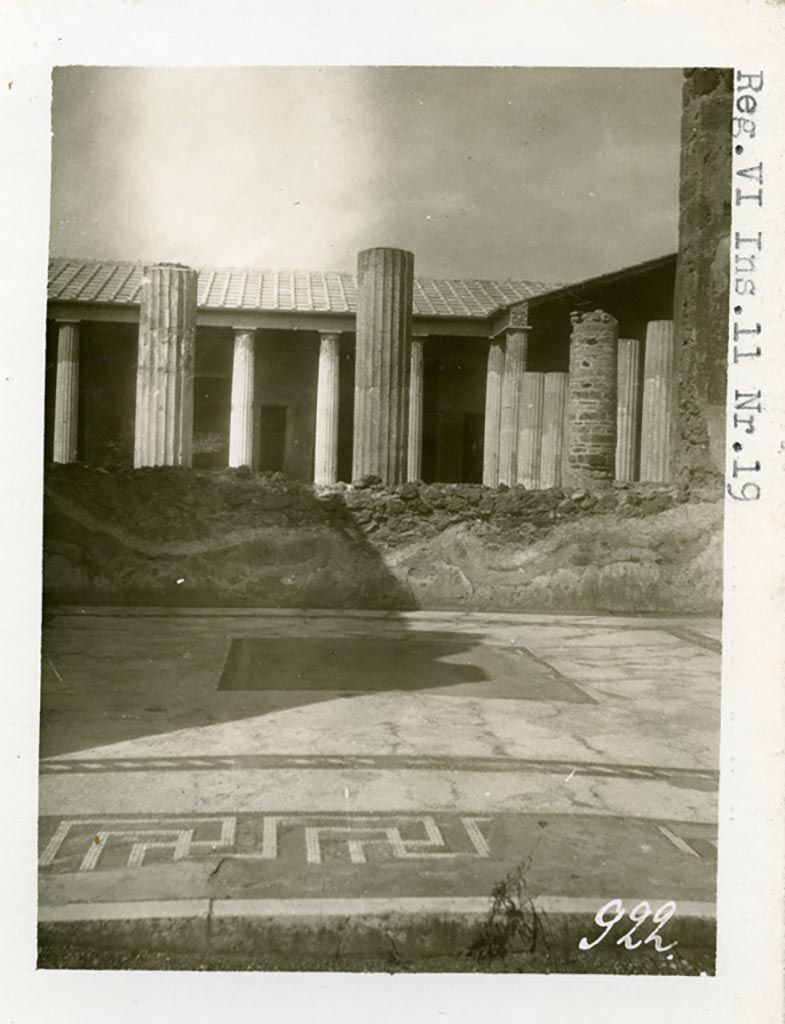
(610, 417)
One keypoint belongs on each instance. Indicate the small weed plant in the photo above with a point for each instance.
(513, 924)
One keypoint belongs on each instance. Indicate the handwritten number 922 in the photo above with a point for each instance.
(613, 912)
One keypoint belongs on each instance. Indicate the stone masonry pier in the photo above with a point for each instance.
(592, 397)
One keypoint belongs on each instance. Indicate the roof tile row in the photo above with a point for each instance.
(301, 291)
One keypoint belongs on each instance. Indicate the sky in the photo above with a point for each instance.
(497, 173)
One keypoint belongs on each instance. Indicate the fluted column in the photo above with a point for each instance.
(628, 409)
(416, 370)
(66, 393)
(530, 436)
(493, 412)
(165, 367)
(592, 398)
(325, 469)
(657, 425)
(512, 381)
(385, 281)
(241, 421)
(242, 416)
(554, 406)
(566, 478)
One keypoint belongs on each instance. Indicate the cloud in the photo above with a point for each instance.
(481, 172)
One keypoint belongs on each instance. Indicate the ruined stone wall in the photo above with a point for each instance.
(172, 536)
(702, 275)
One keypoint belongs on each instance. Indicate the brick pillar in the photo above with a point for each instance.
(493, 411)
(241, 421)
(416, 369)
(530, 435)
(592, 398)
(385, 281)
(628, 409)
(165, 367)
(554, 407)
(325, 468)
(512, 382)
(66, 393)
(700, 308)
(657, 426)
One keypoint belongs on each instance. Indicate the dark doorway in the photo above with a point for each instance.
(272, 437)
(473, 442)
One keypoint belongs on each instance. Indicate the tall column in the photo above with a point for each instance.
(416, 369)
(241, 422)
(385, 281)
(66, 393)
(658, 404)
(325, 469)
(628, 409)
(493, 412)
(530, 437)
(592, 398)
(165, 367)
(512, 381)
(554, 406)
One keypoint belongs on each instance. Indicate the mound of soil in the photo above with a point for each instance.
(190, 537)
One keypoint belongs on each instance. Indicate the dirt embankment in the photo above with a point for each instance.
(186, 537)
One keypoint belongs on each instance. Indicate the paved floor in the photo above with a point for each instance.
(372, 755)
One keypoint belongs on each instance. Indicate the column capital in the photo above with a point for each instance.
(243, 330)
(508, 328)
(513, 317)
(67, 321)
(330, 334)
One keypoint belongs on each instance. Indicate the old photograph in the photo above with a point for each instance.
(384, 474)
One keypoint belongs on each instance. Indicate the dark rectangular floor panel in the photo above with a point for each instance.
(444, 667)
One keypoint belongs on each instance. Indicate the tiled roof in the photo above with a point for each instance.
(299, 291)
